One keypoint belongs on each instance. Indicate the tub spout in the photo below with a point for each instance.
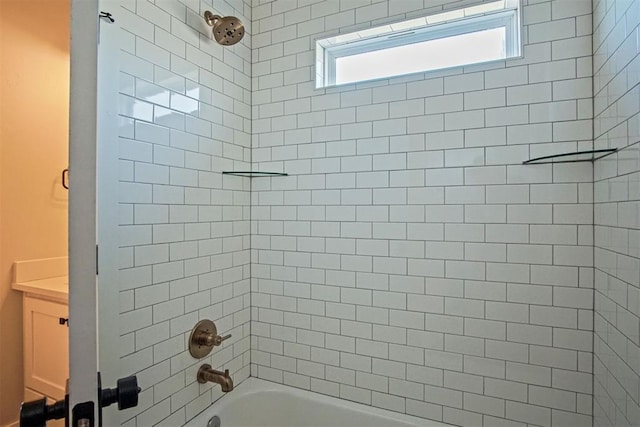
(206, 374)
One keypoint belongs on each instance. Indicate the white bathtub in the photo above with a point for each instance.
(259, 403)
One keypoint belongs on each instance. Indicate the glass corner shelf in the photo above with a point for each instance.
(254, 174)
(572, 157)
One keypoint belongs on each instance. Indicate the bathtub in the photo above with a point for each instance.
(260, 403)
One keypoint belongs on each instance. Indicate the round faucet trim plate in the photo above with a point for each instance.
(204, 328)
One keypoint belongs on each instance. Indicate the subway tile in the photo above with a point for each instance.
(509, 390)
(484, 404)
(506, 351)
(460, 417)
(551, 398)
(451, 264)
(529, 334)
(528, 413)
(443, 396)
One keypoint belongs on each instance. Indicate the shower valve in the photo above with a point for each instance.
(204, 337)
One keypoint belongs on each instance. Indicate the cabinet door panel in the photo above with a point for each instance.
(46, 347)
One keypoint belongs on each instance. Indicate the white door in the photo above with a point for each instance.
(92, 208)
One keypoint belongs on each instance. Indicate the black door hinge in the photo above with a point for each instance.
(107, 15)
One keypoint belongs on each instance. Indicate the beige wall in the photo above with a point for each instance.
(34, 91)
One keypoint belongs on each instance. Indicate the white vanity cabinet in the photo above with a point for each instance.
(46, 347)
(44, 284)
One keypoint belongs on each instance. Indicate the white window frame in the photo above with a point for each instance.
(327, 52)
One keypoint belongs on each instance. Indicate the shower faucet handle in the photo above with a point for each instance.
(218, 339)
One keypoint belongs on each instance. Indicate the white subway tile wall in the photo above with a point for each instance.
(616, 65)
(410, 261)
(185, 116)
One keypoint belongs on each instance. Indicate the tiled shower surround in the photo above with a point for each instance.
(184, 227)
(409, 261)
(617, 214)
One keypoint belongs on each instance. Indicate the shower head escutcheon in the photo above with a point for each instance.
(226, 30)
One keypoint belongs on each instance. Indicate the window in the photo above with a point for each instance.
(476, 34)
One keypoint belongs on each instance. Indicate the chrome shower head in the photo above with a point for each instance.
(226, 30)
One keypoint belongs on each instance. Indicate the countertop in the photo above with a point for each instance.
(52, 288)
